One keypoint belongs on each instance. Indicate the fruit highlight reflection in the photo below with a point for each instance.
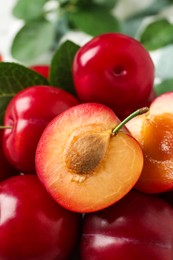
(86, 158)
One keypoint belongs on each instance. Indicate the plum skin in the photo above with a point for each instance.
(139, 226)
(115, 70)
(33, 225)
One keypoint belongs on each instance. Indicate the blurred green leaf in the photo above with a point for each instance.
(94, 20)
(107, 3)
(132, 24)
(82, 3)
(14, 78)
(61, 66)
(70, 3)
(29, 9)
(63, 1)
(35, 38)
(157, 34)
(164, 86)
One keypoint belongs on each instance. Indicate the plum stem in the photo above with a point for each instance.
(138, 112)
(5, 127)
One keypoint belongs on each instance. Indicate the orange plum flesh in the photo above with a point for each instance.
(154, 131)
(82, 165)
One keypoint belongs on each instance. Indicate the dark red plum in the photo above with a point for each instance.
(33, 226)
(137, 227)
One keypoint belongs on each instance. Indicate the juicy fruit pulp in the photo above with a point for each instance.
(137, 227)
(81, 164)
(154, 131)
(33, 225)
(115, 70)
(28, 114)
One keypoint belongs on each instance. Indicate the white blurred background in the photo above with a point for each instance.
(9, 25)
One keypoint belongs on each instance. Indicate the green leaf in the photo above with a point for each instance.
(34, 39)
(132, 24)
(61, 66)
(82, 3)
(14, 78)
(72, 3)
(29, 9)
(106, 3)
(164, 86)
(63, 2)
(94, 20)
(157, 35)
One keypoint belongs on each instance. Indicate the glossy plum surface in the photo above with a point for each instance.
(28, 113)
(139, 226)
(6, 169)
(113, 69)
(33, 226)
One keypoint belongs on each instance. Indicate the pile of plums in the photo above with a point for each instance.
(89, 176)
